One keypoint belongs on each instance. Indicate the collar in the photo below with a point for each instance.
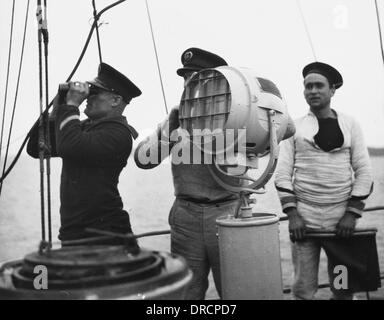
(311, 114)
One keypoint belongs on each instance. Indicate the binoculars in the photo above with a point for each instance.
(64, 87)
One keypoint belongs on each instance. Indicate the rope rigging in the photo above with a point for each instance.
(7, 82)
(157, 56)
(306, 29)
(16, 92)
(95, 18)
(379, 27)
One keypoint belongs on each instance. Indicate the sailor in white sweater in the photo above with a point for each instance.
(323, 177)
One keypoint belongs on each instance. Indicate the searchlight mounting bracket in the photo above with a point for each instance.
(257, 185)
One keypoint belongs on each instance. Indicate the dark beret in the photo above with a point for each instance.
(195, 59)
(334, 77)
(110, 79)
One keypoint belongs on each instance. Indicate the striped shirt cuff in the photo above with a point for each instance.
(288, 202)
(355, 206)
(287, 198)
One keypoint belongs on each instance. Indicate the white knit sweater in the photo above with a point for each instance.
(307, 173)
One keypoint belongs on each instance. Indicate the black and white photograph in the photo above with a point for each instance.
(206, 151)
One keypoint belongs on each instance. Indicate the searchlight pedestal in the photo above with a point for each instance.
(237, 117)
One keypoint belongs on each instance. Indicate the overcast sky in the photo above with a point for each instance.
(265, 35)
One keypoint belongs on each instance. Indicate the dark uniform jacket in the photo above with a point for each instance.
(94, 153)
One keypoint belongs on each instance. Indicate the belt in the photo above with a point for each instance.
(202, 203)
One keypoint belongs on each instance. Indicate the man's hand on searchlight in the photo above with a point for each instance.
(173, 119)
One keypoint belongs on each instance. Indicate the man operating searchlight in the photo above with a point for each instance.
(234, 117)
(223, 110)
